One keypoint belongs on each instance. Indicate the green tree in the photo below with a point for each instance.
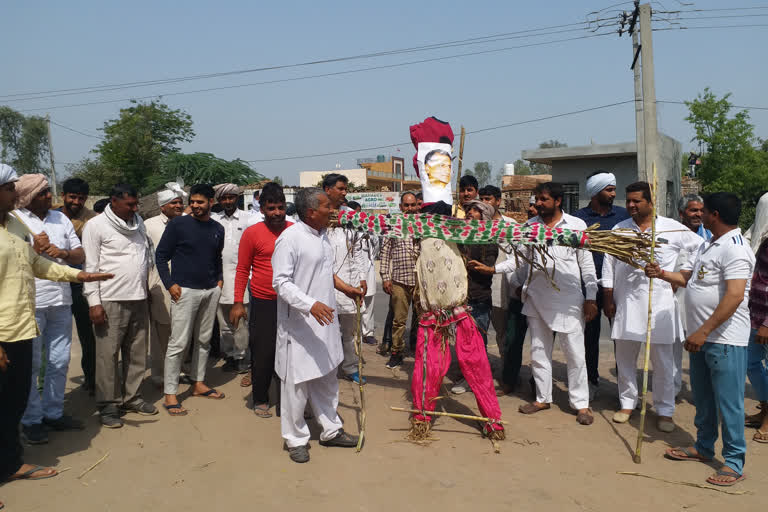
(482, 171)
(522, 168)
(537, 168)
(278, 180)
(24, 141)
(136, 143)
(731, 162)
(201, 168)
(100, 178)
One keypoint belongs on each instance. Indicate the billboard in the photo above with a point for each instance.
(388, 202)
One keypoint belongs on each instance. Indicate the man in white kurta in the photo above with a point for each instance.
(551, 311)
(308, 339)
(625, 291)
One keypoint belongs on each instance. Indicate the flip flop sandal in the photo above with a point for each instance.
(246, 381)
(262, 412)
(689, 456)
(177, 408)
(210, 394)
(760, 436)
(27, 475)
(721, 472)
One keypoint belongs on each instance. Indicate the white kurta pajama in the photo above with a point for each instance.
(351, 265)
(630, 294)
(551, 312)
(307, 353)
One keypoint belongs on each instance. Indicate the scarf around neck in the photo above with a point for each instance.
(128, 230)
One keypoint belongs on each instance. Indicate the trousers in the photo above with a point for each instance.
(323, 396)
(718, 375)
(348, 326)
(542, 343)
(262, 338)
(159, 334)
(84, 334)
(516, 328)
(756, 370)
(663, 375)
(192, 319)
(14, 393)
(400, 302)
(124, 334)
(473, 361)
(234, 342)
(592, 341)
(55, 323)
(368, 324)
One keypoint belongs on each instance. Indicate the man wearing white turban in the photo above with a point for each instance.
(171, 203)
(234, 340)
(601, 189)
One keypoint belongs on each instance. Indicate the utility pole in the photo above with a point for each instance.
(650, 124)
(54, 186)
(639, 128)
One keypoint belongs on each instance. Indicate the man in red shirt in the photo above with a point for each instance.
(254, 259)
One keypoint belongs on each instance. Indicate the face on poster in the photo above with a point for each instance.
(435, 171)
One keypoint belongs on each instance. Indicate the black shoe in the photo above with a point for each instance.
(143, 408)
(230, 365)
(64, 424)
(370, 340)
(341, 440)
(35, 434)
(384, 348)
(241, 366)
(299, 454)
(395, 361)
(111, 421)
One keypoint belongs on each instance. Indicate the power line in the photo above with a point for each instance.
(76, 130)
(434, 46)
(714, 10)
(324, 75)
(480, 130)
(712, 26)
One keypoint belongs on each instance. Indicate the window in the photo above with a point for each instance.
(570, 197)
(399, 170)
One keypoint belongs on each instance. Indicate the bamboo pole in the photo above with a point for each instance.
(449, 414)
(640, 432)
(359, 350)
(458, 174)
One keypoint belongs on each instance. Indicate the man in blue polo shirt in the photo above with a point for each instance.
(601, 188)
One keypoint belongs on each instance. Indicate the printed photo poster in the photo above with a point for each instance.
(435, 161)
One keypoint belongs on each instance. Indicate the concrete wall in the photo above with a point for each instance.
(356, 176)
(669, 174)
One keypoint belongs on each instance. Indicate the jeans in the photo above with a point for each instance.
(517, 326)
(592, 341)
(55, 323)
(756, 370)
(718, 374)
(481, 313)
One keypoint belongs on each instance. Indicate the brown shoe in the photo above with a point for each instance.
(584, 418)
(532, 408)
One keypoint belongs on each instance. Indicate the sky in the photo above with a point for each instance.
(76, 44)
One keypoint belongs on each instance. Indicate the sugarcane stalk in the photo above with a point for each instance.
(641, 431)
(449, 414)
(359, 350)
(458, 174)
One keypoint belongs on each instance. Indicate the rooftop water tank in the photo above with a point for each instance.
(509, 169)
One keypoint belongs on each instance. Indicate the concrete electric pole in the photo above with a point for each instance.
(650, 125)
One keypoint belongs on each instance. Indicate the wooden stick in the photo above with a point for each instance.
(449, 414)
(458, 174)
(688, 484)
(640, 432)
(359, 350)
(97, 463)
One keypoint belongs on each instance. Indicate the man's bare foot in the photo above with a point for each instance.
(505, 390)
(33, 472)
(753, 420)
(533, 408)
(172, 405)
